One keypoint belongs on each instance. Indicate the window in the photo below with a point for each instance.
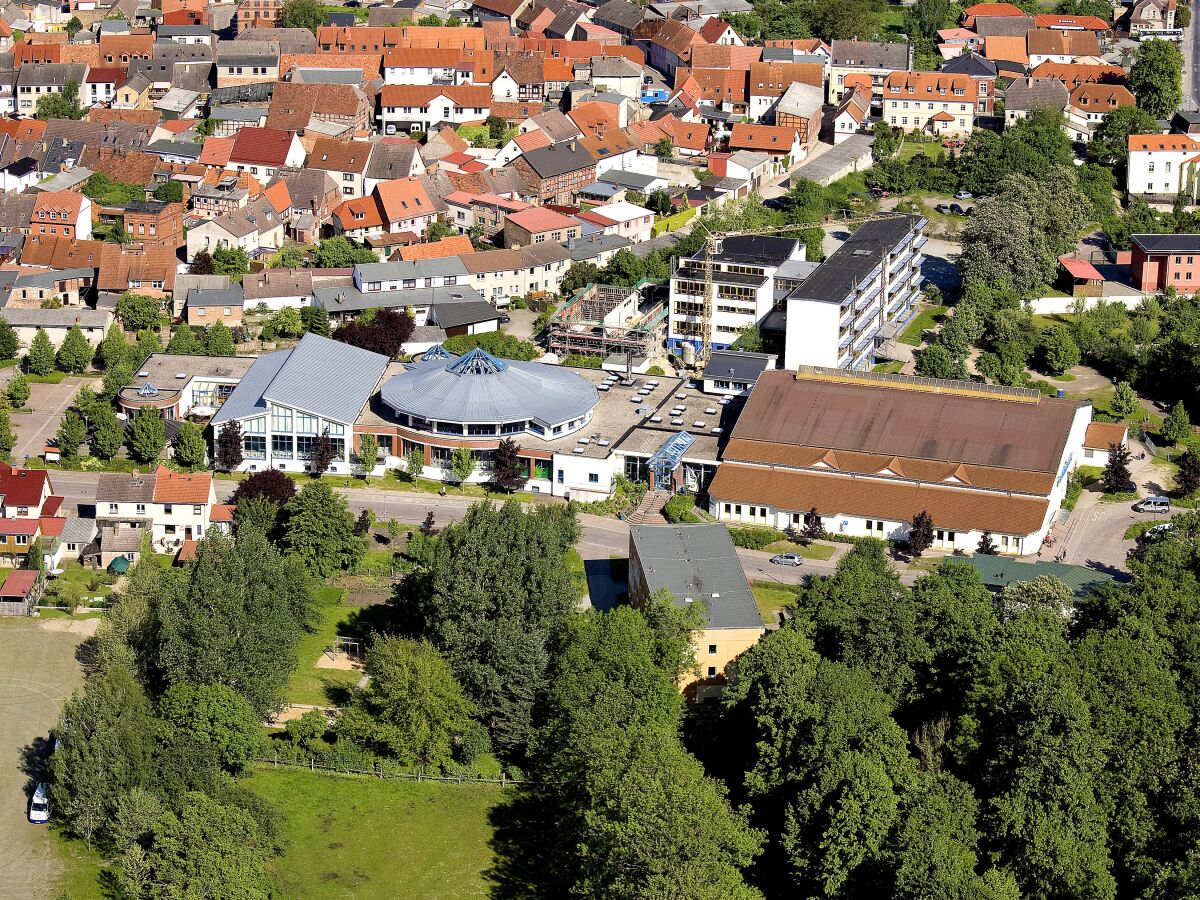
(712, 649)
(201, 311)
(112, 509)
(712, 671)
(304, 445)
(141, 509)
(167, 507)
(593, 478)
(281, 446)
(281, 418)
(197, 510)
(22, 540)
(561, 476)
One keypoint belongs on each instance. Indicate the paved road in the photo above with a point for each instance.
(1191, 64)
(38, 674)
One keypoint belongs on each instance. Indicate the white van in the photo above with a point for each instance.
(39, 806)
(1153, 505)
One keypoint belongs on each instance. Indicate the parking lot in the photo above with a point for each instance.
(39, 674)
(47, 402)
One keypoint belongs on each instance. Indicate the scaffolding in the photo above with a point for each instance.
(602, 319)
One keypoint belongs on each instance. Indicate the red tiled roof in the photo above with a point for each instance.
(537, 219)
(52, 526)
(1100, 434)
(455, 245)
(22, 487)
(28, 527)
(770, 138)
(175, 487)
(221, 512)
(265, 146)
(52, 505)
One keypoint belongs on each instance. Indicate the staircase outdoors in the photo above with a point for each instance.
(650, 509)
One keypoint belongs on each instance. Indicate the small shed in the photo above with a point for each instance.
(19, 592)
(1099, 437)
(1081, 277)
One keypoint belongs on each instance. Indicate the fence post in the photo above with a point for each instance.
(312, 767)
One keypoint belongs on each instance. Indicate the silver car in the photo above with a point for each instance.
(787, 559)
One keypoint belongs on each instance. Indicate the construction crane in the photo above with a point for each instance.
(711, 248)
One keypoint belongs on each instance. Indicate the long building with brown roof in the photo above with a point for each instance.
(870, 452)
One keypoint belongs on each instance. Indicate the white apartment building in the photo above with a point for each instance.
(930, 101)
(857, 299)
(174, 506)
(745, 289)
(404, 108)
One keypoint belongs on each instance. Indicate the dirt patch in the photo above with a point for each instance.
(336, 659)
(82, 627)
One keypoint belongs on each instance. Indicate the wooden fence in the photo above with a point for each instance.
(380, 770)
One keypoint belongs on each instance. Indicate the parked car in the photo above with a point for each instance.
(1153, 504)
(1158, 531)
(775, 203)
(39, 806)
(959, 210)
(964, 195)
(943, 208)
(954, 143)
(504, 318)
(787, 559)
(880, 193)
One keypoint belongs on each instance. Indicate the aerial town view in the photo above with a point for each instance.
(682, 450)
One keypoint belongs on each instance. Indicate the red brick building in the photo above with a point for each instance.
(155, 222)
(558, 172)
(1160, 261)
(260, 13)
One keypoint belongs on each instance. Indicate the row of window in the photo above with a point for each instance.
(140, 509)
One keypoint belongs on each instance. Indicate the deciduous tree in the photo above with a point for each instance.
(1115, 479)
(368, 453)
(72, 432)
(108, 432)
(462, 465)
(219, 340)
(17, 390)
(214, 718)
(229, 446)
(324, 452)
(1110, 142)
(920, 534)
(75, 354)
(1177, 427)
(1187, 477)
(1156, 78)
(413, 708)
(508, 470)
(319, 531)
(137, 311)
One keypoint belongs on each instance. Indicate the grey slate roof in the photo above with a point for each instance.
(1003, 26)
(870, 55)
(558, 159)
(1167, 243)
(401, 269)
(970, 64)
(635, 180)
(1025, 94)
(700, 562)
(125, 487)
(513, 393)
(77, 530)
(230, 296)
(347, 298)
(183, 149)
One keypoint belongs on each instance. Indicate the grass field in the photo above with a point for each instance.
(771, 598)
(926, 318)
(322, 687)
(808, 551)
(366, 838)
(891, 367)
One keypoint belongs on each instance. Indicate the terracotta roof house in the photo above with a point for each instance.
(777, 141)
(671, 46)
(345, 161)
(1048, 45)
(1011, 49)
(1089, 103)
(1074, 74)
(264, 151)
(987, 10)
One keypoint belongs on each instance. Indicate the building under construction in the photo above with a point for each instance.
(603, 319)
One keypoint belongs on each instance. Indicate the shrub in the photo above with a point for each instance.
(583, 361)
(679, 510)
(754, 537)
(655, 371)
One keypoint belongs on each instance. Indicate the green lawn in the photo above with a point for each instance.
(364, 838)
(808, 551)
(322, 687)
(926, 318)
(771, 598)
(81, 879)
(76, 573)
(913, 148)
(891, 367)
(578, 573)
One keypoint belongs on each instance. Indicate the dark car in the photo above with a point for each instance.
(504, 319)
(959, 210)
(775, 203)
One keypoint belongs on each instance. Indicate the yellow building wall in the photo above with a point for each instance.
(717, 650)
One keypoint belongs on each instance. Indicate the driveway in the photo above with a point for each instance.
(48, 402)
(521, 326)
(39, 673)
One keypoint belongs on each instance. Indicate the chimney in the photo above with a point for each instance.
(1029, 81)
(572, 146)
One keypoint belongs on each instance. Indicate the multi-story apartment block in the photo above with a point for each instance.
(1161, 261)
(744, 285)
(857, 298)
(930, 101)
(868, 58)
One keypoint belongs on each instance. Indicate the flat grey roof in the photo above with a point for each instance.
(230, 296)
(854, 260)
(463, 312)
(734, 364)
(697, 562)
(347, 298)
